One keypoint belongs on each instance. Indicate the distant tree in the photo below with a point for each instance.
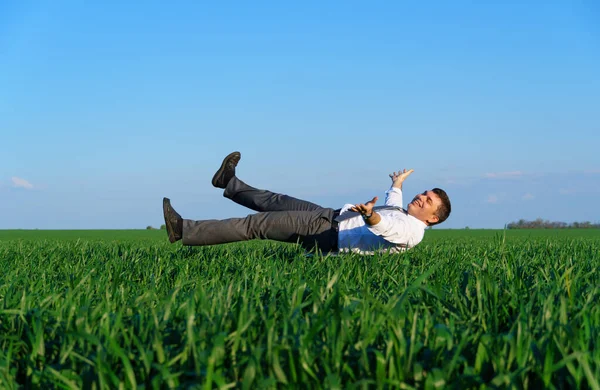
(149, 227)
(163, 227)
(539, 223)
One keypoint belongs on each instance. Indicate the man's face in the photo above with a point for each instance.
(424, 206)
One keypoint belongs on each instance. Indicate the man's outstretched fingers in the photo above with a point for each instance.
(404, 174)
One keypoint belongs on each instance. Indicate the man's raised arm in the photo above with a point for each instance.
(399, 177)
(393, 197)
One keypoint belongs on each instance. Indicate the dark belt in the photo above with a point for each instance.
(335, 226)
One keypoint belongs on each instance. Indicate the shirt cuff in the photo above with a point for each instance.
(381, 228)
(394, 189)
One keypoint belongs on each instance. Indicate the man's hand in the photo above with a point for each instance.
(399, 177)
(366, 208)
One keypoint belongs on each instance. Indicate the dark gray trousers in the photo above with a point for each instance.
(280, 217)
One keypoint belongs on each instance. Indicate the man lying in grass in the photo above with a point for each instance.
(360, 228)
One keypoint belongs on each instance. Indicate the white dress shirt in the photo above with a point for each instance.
(396, 232)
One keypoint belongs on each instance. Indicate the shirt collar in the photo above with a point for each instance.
(420, 223)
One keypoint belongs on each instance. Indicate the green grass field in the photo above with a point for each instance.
(464, 309)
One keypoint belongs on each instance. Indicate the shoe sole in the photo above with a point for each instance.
(215, 178)
(170, 228)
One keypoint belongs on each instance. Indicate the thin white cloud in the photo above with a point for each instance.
(567, 191)
(528, 196)
(18, 182)
(492, 199)
(503, 175)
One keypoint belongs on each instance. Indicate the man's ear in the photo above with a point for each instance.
(433, 219)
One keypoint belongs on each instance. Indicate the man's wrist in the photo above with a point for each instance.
(365, 216)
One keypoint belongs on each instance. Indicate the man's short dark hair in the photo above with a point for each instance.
(444, 209)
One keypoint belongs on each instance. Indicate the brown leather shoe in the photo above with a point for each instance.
(173, 221)
(227, 170)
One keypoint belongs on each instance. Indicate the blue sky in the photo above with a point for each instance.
(106, 107)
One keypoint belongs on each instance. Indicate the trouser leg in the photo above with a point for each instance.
(309, 228)
(263, 200)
